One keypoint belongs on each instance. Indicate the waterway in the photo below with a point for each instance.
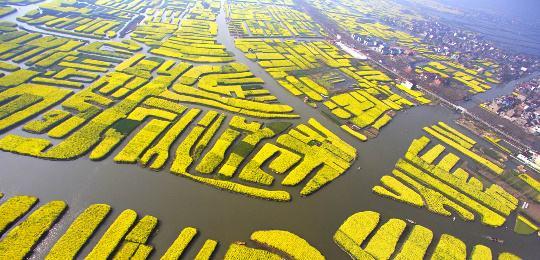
(228, 217)
(497, 91)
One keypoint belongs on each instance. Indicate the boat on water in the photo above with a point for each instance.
(500, 241)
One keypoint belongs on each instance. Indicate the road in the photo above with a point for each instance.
(457, 108)
(336, 30)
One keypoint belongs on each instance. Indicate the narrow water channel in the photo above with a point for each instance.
(227, 217)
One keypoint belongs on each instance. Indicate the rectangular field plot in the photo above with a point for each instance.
(362, 98)
(256, 20)
(83, 20)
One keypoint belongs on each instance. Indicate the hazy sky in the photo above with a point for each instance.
(528, 8)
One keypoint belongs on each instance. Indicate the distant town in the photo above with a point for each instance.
(522, 107)
(269, 129)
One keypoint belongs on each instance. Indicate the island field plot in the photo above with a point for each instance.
(129, 236)
(270, 21)
(367, 21)
(236, 118)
